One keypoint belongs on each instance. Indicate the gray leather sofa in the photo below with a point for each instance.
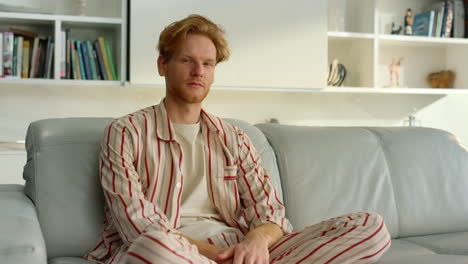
(416, 178)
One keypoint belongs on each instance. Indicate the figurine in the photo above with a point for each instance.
(394, 69)
(442, 79)
(395, 31)
(408, 22)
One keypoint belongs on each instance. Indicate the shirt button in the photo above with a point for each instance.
(178, 185)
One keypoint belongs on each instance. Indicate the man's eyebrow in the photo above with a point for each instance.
(207, 59)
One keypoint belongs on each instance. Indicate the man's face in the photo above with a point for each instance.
(190, 71)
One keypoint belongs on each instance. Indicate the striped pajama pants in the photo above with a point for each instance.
(356, 238)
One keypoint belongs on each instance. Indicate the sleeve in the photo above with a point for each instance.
(131, 212)
(260, 200)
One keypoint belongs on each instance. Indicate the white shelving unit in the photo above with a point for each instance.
(366, 48)
(112, 25)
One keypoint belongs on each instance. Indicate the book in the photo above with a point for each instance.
(49, 58)
(26, 54)
(448, 19)
(111, 61)
(73, 69)
(458, 19)
(24, 33)
(100, 59)
(34, 52)
(63, 54)
(87, 66)
(68, 73)
(1, 54)
(19, 57)
(41, 60)
(81, 70)
(102, 49)
(14, 59)
(7, 53)
(423, 23)
(48, 51)
(92, 59)
(466, 18)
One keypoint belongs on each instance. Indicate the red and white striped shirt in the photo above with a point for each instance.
(140, 172)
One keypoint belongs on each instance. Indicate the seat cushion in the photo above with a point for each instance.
(427, 259)
(401, 248)
(69, 261)
(449, 243)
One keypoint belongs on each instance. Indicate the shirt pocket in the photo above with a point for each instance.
(230, 173)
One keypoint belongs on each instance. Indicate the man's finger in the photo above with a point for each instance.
(239, 257)
(226, 254)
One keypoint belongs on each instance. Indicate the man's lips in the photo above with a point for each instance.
(197, 84)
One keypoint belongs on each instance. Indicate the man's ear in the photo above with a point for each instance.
(162, 64)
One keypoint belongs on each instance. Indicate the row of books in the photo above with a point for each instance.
(442, 19)
(25, 54)
(86, 60)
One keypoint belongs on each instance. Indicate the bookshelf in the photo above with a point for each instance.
(104, 19)
(359, 37)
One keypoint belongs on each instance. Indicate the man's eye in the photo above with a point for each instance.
(186, 60)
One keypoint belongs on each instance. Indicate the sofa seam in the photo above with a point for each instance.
(390, 171)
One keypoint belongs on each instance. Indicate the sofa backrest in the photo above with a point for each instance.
(62, 180)
(416, 178)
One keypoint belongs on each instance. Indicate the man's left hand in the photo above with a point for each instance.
(253, 250)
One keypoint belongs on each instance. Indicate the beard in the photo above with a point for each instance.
(188, 94)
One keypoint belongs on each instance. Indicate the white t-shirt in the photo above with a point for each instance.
(198, 217)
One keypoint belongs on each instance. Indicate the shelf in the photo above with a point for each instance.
(349, 35)
(426, 91)
(46, 17)
(420, 41)
(37, 81)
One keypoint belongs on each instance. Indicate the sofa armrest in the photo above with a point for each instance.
(21, 239)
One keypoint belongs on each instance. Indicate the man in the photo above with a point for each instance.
(184, 186)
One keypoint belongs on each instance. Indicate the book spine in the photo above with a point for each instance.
(81, 72)
(32, 64)
(68, 74)
(449, 20)
(466, 18)
(111, 61)
(63, 54)
(102, 48)
(73, 70)
(431, 23)
(15, 54)
(1, 54)
(102, 67)
(49, 63)
(47, 54)
(77, 64)
(19, 57)
(7, 53)
(92, 59)
(84, 50)
(26, 54)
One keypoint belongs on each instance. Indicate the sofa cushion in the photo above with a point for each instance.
(21, 237)
(450, 243)
(327, 171)
(429, 170)
(427, 259)
(62, 180)
(401, 248)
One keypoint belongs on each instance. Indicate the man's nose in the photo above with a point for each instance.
(198, 70)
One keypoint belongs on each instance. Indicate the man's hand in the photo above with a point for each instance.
(253, 250)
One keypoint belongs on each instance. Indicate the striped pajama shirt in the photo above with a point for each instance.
(140, 172)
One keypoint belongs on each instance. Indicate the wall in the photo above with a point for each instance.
(20, 104)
